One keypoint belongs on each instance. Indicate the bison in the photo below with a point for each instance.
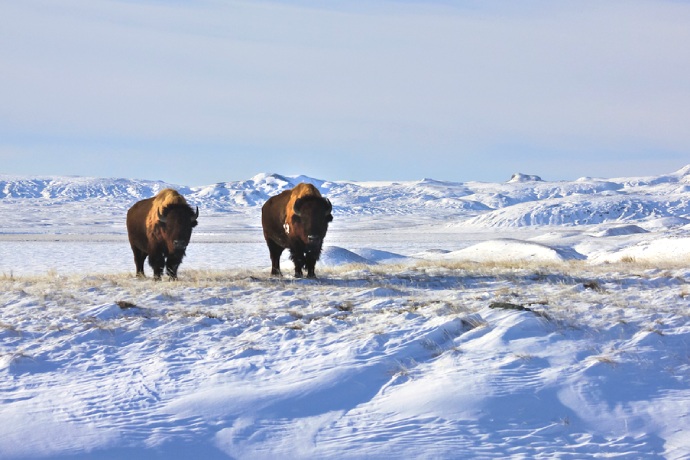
(296, 219)
(160, 228)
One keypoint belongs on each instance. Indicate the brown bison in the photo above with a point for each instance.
(296, 219)
(160, 228)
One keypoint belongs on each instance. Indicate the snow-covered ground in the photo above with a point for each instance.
(526, 319)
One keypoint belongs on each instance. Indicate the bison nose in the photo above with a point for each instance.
(180, 244)
(314, 238)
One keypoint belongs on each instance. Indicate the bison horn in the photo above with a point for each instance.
(196, 215)
(295, 209)
(161, 218)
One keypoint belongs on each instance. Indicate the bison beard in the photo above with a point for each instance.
(296, 219)
(160, 228)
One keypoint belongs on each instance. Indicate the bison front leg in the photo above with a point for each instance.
(171, 267)
(311, 263)
(172, 264)
(297, 257)
(276, 251)
(157, 263)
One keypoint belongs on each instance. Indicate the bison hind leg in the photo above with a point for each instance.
(139, 258)
(276, 251)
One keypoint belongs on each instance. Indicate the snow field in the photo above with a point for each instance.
(527, 319)
(367, 361)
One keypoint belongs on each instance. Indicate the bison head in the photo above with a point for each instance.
(310, 220)
(176, 224)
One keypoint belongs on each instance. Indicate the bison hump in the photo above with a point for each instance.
(164, 198)
(304, 189)
(300, 191)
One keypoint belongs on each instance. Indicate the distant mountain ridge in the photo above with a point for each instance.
(524, 201)
(77, 188)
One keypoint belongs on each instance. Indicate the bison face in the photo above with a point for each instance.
(310, 221)
(176, 224)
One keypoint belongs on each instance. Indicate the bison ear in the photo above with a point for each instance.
(329, 210)
(195, 217)
(296, 207)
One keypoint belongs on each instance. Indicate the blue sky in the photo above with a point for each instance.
(197, 92)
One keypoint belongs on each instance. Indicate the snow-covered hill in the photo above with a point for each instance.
(517, 202)
(62, 189)
(425, 214)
